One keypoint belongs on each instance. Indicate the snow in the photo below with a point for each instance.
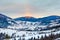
(28, 26)
(7, 31)
(28, 34)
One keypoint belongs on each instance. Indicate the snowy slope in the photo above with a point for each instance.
(35, 26)
(28, 34)
(24, 23)
(5, 21)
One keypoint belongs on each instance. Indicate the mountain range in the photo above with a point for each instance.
(44, 20)
(32, 19)
(6, 21)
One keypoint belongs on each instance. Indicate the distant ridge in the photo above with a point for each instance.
(32, 19)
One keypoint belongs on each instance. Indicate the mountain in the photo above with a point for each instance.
(31, 23)
(44, 20)
(49, 19)
(29, 26)
(30, 19)
(5, 21)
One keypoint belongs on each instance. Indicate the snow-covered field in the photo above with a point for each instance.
(26, 34)
(21, 31)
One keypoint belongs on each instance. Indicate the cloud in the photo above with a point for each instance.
(45, 5)
(36, 7)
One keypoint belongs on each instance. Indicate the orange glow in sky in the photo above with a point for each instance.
(27, 12)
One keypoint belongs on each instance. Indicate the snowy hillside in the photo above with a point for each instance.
(25, 23)
(5, 21)
(34, 26)
(28, 34)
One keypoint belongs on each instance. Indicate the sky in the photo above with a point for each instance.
(34, 8)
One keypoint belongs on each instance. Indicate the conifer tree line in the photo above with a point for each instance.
(4, 36)
(50, 37)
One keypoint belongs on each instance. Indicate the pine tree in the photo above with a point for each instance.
(38, 37)
(7, 36)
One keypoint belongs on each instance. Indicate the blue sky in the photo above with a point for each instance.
(37, 8)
